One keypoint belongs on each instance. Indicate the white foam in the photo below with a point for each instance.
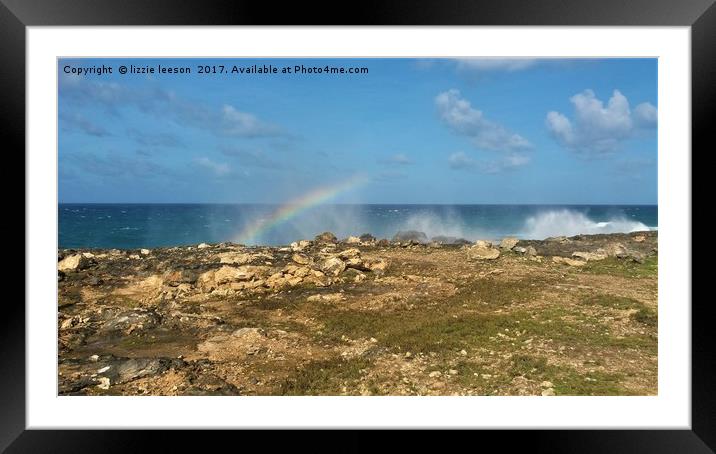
(569, 222)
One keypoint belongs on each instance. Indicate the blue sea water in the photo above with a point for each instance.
(128, 226)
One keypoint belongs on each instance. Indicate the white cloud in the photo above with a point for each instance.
(596, 128)
(219, 169)
(460, 160)
(495, 64)
(459, 115)
(397, 159)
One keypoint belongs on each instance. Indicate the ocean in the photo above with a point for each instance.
(127, 226)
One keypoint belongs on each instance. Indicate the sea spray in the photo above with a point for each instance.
(570, 222)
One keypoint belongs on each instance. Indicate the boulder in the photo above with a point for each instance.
(301, 259)
(203, 246)
(567, 261)
(333, 266)
(530, 251)
(508, 243)
(519, 249)
(73, 263)
(404, 236)
(482, 252)
(353, 240)
(326, 237)
(599, 254)
(234, 258)
(300, 245)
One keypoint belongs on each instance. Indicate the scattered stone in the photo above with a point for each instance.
(353, 240)
(639, 238)
(326, 297)
(548, 392)
(546, 384)
(519, 249)
(434, 374)
(144, 251)
(203, 246)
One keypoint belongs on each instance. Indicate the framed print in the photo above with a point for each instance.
(458, 216)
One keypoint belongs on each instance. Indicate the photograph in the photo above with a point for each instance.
(467, 226)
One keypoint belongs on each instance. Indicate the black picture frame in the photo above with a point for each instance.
(16, 15)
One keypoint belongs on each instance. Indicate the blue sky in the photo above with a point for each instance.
(421, 131)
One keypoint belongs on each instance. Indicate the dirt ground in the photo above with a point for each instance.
(563, 316)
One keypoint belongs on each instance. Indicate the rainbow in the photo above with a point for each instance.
(297, 206)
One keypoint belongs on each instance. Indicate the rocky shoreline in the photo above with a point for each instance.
(362, 316)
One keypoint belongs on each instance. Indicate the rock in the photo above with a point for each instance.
(349, 254)
(410, 235)
(483, 243)
(452, 372)
(566, 261)
(326, 237)
(463, 353)
(639, 238)
(599, 254)
(435, 374)
(134, 368)
(104, 383)
(508, 243)
(177, 277)
(353, 240)
(481, 252)
(519, 249)
(615, 250)
(300, 245)
(376, 265)
(546, 384)
(326, 297)
(637, 256)
(144, 251)
(203, 246)
(333, 265)
(73, 263)
(94, 358)
(234, 258)
(301, 259)
(367, 238)
(548, 392)
(530, 251)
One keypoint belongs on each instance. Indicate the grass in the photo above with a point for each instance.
(614, 302)
(624, 267)
(645, 316)
(325, 377)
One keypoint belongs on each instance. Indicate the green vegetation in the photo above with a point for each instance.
(624, 267)
(645, 316)
(323, 377)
